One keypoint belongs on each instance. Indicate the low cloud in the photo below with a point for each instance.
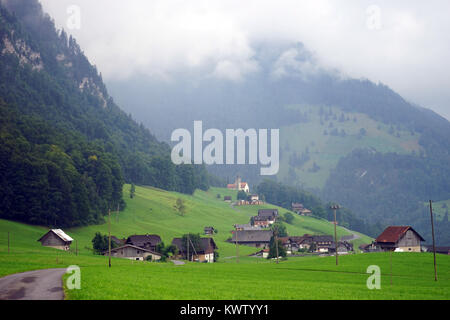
(404, 44)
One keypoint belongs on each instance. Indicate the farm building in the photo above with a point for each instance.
(254, 238)
(205, 252)
(270, 213)
(227, 199)
(149, 241)
(261, 222)
(132, 252)
(299, 209)
(56, 238)
(209, 230)
(399, 238)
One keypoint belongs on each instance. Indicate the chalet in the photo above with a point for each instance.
(299, 209)
(149, 241)
(261, 222)
(254, 238)
(399, 238)
(270, 214)
(227, 199)
(322, 243)
(132, 252)
(239, 185)
(209, 231)
(205, 252)
(293, 244)
(253, 197)
(56, 238)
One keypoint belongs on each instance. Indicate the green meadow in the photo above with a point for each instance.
(151, 211)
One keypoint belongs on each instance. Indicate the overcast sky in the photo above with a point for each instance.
(404, 44)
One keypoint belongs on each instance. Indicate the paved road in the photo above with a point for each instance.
(178, 263)
(33, 285)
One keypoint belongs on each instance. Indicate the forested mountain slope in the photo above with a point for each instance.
(66, 147)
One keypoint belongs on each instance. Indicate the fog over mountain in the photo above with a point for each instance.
(403, 44)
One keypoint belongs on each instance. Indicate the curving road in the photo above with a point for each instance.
(34, 285)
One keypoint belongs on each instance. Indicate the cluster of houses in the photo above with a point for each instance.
(258, 234)
(138, 247)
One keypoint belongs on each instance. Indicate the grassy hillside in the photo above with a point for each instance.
(151, 211)
(315, 139)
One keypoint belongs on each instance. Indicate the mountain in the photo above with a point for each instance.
(66, 148)
(347, 140)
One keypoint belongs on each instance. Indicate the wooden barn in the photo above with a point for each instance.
(56, 238)
(399, 238)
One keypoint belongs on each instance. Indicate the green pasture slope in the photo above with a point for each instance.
(151, 211)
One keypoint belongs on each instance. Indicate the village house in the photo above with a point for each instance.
(132, 252)
(205, 252)
(322, 243)
(253, 238)
(209, 231)
(293, 244)
(399, 238)
(227, 199)
(56, 238)
(261, 222)
(270, 214)
(299, 209)
(239, 185)
(148, 241)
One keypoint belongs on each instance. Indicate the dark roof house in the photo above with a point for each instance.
(149, 241)
(256, 238)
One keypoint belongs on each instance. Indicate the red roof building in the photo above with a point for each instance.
(399, 238)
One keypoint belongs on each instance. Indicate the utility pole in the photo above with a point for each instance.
(434, 243)
(237, 246)
(117, 215)
(334, 208)
(109, 237)
(76, 247)
(187, 245)
(8, 242)
(276, 242)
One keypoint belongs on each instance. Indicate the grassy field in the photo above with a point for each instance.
(253, 278)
